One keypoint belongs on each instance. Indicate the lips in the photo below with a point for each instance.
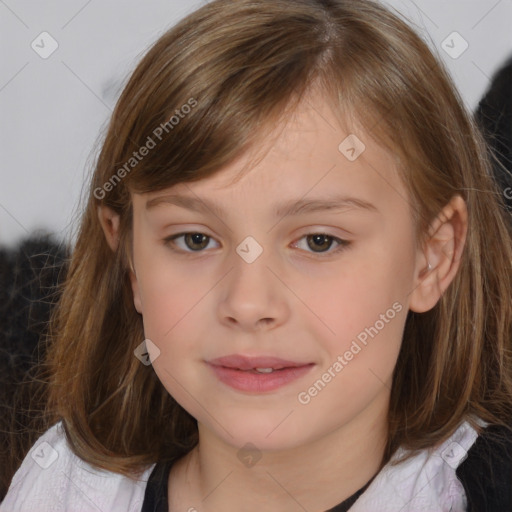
(239, 362)
(257, 374)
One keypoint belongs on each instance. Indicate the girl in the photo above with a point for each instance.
(291, 286)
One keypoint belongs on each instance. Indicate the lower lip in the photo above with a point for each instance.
(259, 382)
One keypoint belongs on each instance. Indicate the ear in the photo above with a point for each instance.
(109, 221)
(443, 251)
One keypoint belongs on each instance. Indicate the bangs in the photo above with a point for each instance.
(217, 86)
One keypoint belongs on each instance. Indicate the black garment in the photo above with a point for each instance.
(486, 474)
(155, 498)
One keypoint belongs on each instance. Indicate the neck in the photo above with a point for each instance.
(315, 476)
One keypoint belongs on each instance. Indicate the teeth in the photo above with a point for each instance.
(264, 370)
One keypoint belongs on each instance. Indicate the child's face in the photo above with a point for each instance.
(342, 313)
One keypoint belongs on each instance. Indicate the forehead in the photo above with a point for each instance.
(312, 153)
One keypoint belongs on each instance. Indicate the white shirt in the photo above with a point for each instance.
(53, 479)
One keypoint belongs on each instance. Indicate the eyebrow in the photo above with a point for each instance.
(293, 207)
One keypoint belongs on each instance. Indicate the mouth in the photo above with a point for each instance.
(257, 374)
(259, 371)
(263, 364)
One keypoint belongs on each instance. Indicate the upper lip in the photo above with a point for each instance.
(248, 363)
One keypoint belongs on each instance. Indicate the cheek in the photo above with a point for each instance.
(167, 293)
(354, 296)
(360, 358)
(363, 308)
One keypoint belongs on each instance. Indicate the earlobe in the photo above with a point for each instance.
(136, 292)
(439, 259)
(109, 221)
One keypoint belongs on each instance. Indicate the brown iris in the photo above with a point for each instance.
(319, 242)
(197, 239)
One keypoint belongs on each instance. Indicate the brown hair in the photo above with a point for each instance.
(243, 65)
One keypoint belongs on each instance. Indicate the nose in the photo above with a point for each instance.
(252, 298)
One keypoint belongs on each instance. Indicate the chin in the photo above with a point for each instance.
(265, 435)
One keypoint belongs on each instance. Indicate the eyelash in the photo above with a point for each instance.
(343, 244)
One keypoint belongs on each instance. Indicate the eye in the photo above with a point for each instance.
(322, 242)
(319, 243)
(194, 242)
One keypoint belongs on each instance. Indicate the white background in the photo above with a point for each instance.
(53, 110)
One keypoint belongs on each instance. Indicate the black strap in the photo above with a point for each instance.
(345, 505)
(155, 497)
